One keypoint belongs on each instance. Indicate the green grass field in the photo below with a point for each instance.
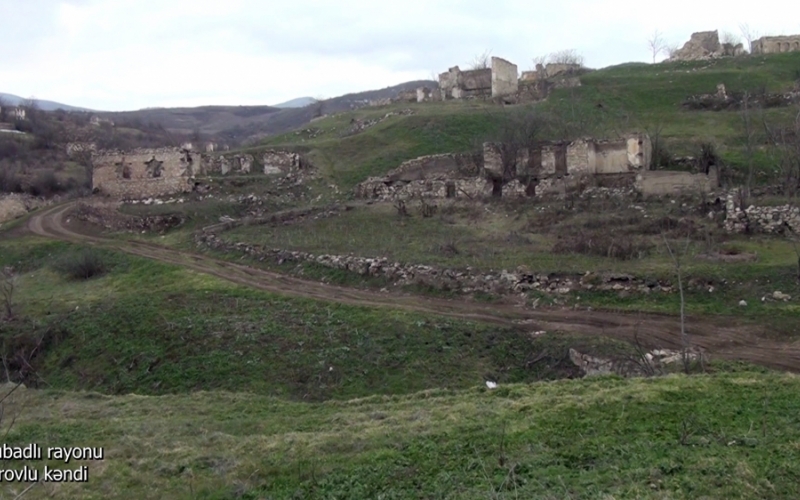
(722, 436)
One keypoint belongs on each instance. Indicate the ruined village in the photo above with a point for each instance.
(506, 222)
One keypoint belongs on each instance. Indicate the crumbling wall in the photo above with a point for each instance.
(474, 83)
(441, 166)
(701, 45)
(276, 162)
(143, 172)
(580, 157)
(669, 182)
(776, 44)
(428, 176)
(448, 81)
(773, 220)
(504, 77)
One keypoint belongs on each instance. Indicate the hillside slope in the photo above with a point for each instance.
(721, 436)
(611, 101)
(239, 123)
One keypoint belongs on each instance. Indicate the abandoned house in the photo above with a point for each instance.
(143, 172)
(496, 81)
(776, 44)
(453, 175)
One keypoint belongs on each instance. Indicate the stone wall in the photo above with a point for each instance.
(276, 162)
(143, 172)
(776, 44)
(428, 176)
(270, 162)
(458, 280)
(701, 45)
(774, 220)
(504, 77)
(668, 182)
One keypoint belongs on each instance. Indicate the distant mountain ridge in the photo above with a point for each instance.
(299, 102)
(240, 123)
(43, 104)
(237, 123)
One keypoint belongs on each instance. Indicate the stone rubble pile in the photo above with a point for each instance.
(357, 126)
(460, 280)
(774, 220)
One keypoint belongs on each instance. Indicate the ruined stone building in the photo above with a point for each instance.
(454, 175)
(776, 44)
(583, 156)
(706, 45)
(497, 81)
(143, 172)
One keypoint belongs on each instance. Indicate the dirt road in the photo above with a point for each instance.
(720, 337)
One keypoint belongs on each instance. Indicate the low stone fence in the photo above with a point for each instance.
(458, 280)
(763, 219)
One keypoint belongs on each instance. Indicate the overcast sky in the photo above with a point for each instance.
(129, 54)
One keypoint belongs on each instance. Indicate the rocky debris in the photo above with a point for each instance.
(309, 133)
(359, 125)
(724, 100)
(109, 218)
(653, 362)
(778, 295)
(605, 193)
(706, 45)
(16, 205)
(775, 220)
(464, 281)
(155, 201)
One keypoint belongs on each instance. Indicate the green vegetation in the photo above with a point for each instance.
(610, 101)
(151, 328)
(723, 436)
(497, 236)
(199, 388)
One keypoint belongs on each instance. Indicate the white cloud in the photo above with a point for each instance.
(127, 54)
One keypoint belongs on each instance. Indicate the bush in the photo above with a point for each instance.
(10, 182)
(45, 184)
(82, 265)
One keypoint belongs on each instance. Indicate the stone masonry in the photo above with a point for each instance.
(773, 220)
(706, 45)
(776, 44)
(143, 172)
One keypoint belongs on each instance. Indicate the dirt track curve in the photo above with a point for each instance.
(720, 337)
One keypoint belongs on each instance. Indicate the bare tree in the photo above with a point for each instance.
(749, 35)
(785, 152)
(749, 140)
(677, 261)
(656, 44)
(517, 141)
(672, 50)
(539, 61)
(7, 291)
(568, 56)
(730, 38)
(481, 61)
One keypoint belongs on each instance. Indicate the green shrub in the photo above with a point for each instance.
(82, 265)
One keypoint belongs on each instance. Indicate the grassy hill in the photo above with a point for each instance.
(723, 436)
(198, 388)
(610, 101)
